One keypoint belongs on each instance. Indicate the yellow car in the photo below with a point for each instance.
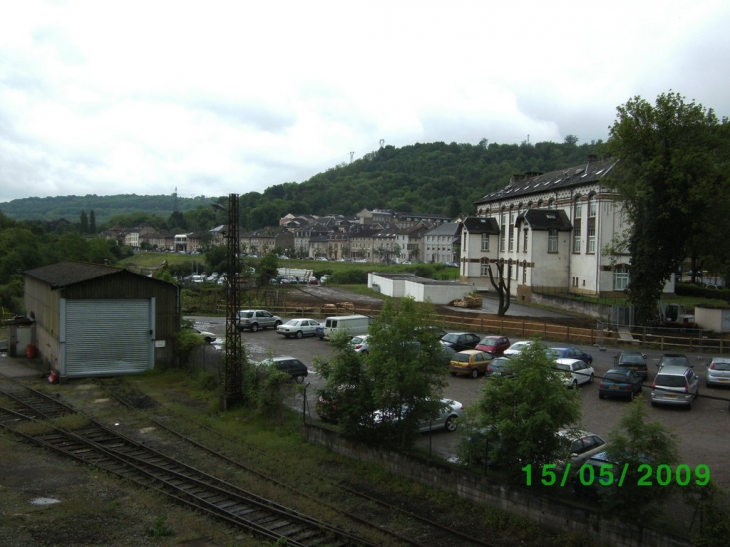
(470, 362)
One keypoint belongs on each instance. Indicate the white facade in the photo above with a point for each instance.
(551, 231)
(419, 288)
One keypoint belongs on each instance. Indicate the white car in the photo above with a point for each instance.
(360, 344)
(577, 372)
(517, 347)
(718, 372)
(207, 336)
(298, 328)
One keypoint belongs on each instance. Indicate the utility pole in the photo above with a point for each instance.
(233, 380)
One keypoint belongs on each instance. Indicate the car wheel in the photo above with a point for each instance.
(591, 378)
(574, 385)
(631, 395)
(299, 334)
(277, 323)
(299, 379)
(601, 395)
(653, 404)
(475, 373)
(364, 352)
(450, 423)
(254, 327)
(209, 340)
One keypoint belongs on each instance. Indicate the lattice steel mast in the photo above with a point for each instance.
(233, 381)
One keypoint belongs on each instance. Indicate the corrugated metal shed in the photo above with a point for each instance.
(94, 319)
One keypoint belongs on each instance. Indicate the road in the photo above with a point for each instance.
(703, 432)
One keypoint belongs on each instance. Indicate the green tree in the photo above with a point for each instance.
(268, 268)
(672, 166)
(73, 246)
(101, 251)
(521, 415)
(634, 443)
(92, 222)
(83, 223)
(402, 376)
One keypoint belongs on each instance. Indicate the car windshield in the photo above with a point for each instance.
(720, 365)
(246, 313)
(562, 366)
(453, 338)
(461, 357)
(489, 341)
(674, 360)
(615, 377)
(293, 322)
(632, 360)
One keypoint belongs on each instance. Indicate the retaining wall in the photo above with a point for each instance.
(555, 514)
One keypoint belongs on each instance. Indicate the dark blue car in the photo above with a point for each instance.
(569, 352)
(620, 382)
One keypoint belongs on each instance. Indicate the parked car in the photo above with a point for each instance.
(634, 360)
(592, 485)
(582, 445)
(500, 366)
(674, 360)
(577, 372)
(207, 336)
(570, 352)
(459, 341)
(291, 365)
(493, 344)
(620, 382)
(518, 347)
(298, 328)
(254, 320)
(360, 344)
(718, 372)
(675, 385)
(447, 419)
(469, 362)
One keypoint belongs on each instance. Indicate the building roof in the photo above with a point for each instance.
(480, 225)
(545, 219)
(445, 229)
(67, 273)
(534, 183)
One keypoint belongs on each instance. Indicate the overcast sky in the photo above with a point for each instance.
(217, 97)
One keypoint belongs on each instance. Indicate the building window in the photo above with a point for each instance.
(524, 272)
(576, 240)
(503, 230)
(578, 209)
(524, 242)
(552, 204)
(620, 278)
(592, 206)
(485, 266)
(511, 230)
(591, 240)
(485, 242)
(552, 241)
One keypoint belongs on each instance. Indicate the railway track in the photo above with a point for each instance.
(424, 531)
(108, 450)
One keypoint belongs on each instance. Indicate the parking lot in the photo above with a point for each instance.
(704, 432)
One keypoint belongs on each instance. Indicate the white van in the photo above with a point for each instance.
(353, 324)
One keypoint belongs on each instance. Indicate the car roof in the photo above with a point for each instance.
(568, 361)
(471, 351)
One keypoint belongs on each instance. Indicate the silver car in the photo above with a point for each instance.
(675, 385)
(448, 419)
(583, 445)
(718, 372)
(254, 320)
(298, 328)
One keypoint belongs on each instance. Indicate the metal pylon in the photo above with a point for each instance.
(233, 381)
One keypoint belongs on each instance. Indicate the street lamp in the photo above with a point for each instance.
(233, 379)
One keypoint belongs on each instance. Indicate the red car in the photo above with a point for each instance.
(493, 344)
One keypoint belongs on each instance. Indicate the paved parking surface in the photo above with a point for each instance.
(704, 432)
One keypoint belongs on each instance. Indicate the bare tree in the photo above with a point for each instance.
(501, 286)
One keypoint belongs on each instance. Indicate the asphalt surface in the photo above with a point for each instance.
(703, 432)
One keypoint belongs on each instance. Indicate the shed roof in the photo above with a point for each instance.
(67, 273)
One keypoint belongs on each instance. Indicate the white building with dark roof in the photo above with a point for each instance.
(550, 230)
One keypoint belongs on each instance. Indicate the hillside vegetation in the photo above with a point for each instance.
(435, 178)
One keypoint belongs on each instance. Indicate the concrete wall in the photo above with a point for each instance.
(554, 514)
(591, 309)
